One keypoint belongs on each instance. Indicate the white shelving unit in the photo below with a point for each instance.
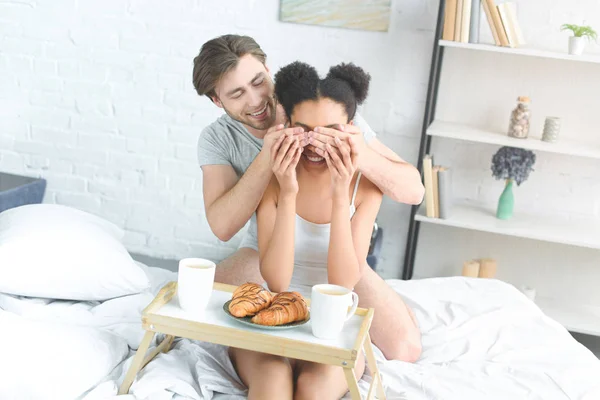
(573, 231)
(520, 51)
(575, 318)
(464, 132)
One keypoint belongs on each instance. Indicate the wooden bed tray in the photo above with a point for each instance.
(163, 315)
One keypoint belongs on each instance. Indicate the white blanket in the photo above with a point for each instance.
(482, 339)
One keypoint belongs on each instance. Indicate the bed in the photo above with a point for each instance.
(482, 339)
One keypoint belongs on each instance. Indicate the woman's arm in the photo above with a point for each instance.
(350, 239)
(276, 219)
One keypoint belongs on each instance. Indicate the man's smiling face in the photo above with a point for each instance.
(246, 93)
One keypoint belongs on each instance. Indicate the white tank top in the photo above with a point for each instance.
(311, 245)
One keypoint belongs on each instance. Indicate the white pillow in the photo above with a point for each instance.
(33, 215)
(62, 253)
(46, 360)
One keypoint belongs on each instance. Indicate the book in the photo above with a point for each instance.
(490, 21)
(445, 192)
(436, 196)
(458, 21)
(506, 26)
(497, 22)
(513, 41)
(449, 20)
(510, 9)
(475, 18)
(465, 21)
(428, 183)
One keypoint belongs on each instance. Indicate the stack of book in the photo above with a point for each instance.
(438, 189)
(461, 22)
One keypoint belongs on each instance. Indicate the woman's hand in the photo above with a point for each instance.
(276, 135)
(284, 157)
(320, 136)
(342, 163)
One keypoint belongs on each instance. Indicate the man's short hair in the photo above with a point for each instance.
(218, 56)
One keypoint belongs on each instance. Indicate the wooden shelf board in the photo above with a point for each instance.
(459, 131)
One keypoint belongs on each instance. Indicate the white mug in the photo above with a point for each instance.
(195, 283)
(329, 309)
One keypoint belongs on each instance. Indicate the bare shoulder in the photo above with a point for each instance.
(367, 190)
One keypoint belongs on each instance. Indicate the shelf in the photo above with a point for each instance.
(580, 319)
(574, 232)
(464, 132)
(523, 51)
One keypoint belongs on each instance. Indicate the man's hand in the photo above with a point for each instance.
(351, 134)
(277, 135)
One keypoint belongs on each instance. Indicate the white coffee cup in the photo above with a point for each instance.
(195, 283)
(329, 309)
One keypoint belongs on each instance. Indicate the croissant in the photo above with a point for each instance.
(286, 307)
(248, 299)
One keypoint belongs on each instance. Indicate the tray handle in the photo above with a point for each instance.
(163, 297)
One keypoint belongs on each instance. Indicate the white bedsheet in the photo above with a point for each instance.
(482, 339)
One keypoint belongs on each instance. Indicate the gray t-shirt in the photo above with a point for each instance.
(228, 142)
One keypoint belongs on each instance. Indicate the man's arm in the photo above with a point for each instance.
(396, 178)
(230, 202)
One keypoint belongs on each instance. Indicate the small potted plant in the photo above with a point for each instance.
(513, 165)
(580, 32)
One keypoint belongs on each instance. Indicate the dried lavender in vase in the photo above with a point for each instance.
(511, 164)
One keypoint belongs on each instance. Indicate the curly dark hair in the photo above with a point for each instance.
(346, 84)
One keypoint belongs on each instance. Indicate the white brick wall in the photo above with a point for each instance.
(97, 97)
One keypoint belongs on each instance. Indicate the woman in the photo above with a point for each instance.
(314, 222)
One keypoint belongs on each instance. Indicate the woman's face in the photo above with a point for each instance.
(312, 113)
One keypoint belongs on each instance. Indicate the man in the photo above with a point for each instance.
(234, 154)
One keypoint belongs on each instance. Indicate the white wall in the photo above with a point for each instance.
(97, 98)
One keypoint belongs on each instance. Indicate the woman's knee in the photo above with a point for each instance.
(253, 367)
(404, 350)
(275, 367)
(325, 382)
(309, 387)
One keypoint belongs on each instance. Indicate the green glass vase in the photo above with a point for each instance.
(506, 201)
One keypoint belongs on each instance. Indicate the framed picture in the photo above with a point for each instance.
(373, 15)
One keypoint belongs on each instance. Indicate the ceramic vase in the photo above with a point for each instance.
(576, 45)
(551, 129)
(506, 201)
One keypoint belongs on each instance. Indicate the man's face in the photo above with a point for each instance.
(246, 94)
